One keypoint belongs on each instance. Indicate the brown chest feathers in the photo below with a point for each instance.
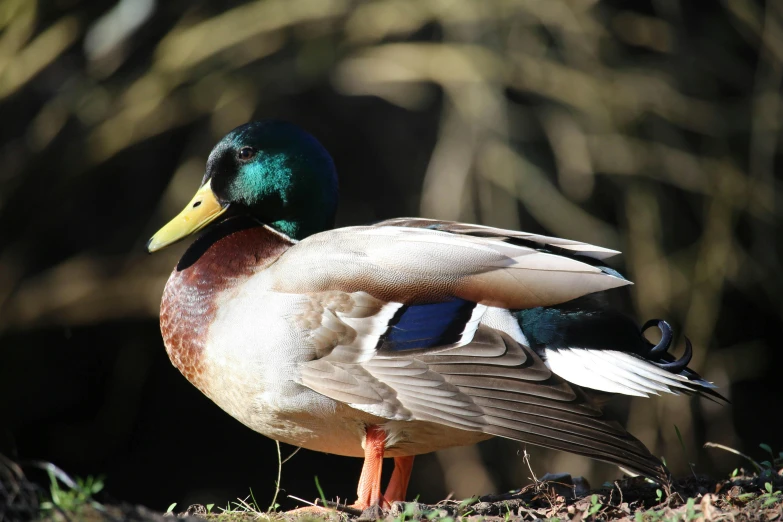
(216, 262)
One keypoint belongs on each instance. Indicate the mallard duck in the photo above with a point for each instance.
(398, 338)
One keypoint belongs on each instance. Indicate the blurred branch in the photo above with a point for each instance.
(15, 72)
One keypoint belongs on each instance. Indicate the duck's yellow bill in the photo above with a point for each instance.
(201, 211)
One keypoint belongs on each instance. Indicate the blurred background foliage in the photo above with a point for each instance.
(652, 127)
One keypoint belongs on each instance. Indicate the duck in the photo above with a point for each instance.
(402, 337)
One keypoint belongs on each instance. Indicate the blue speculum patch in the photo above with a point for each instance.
(421, 326)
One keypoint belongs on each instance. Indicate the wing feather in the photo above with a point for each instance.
(365, 279)
(524, 401)
(499, 234)
(420, 265)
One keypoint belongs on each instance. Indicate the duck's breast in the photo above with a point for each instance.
(253, 352)
(216, 264)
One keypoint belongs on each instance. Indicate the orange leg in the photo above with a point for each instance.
(369, 490)
(398, 485)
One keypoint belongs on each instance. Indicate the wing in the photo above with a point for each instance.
(616, 360)
(419, 265)
(395, 315)
(493, 385)
(555, 245)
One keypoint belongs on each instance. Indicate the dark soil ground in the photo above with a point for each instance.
(755, 496)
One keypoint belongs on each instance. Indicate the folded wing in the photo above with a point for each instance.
(420, 265)
(398, 331)
(492, 385)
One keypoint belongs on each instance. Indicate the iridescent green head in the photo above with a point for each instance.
(271, 170)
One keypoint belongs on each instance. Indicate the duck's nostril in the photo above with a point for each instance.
(197, 203)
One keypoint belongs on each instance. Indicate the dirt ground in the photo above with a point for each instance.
(755, 496)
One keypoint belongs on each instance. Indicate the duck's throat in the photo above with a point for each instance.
(217, 262)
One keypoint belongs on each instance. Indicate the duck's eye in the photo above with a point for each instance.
(245, 153)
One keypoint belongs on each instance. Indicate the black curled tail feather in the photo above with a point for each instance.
(657, 352)
(659, 355)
